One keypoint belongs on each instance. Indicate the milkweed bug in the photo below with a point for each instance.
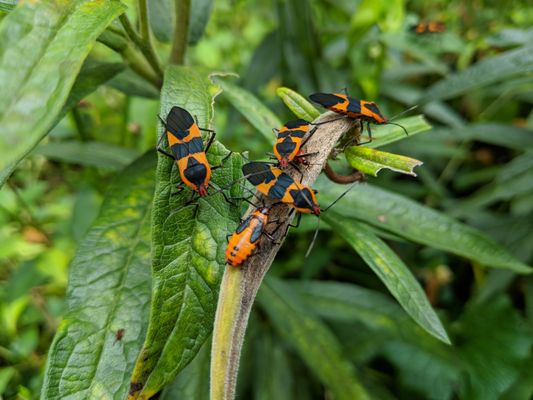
(187, 147)
(364, 111)
(276, 184)
(428, 27)
(246, 237)
(291, 137)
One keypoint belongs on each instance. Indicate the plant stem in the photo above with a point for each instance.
(181, 30)
(143, 20)
(144, 43)
(239, 285)
(130, 56)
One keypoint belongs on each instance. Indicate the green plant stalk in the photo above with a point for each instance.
(143, 20)
(240, 284)
(143, 42)
(181, 30)
(130, 56)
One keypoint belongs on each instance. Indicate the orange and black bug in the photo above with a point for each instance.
(428, 27)
(245, 239)
(277, 185)
(187, 149)
(364, 111)
(291, 138)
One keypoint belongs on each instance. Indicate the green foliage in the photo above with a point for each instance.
(43, 48)
(417, 287)
(188, 246)
(110, 273)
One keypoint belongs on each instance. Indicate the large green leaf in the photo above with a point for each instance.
(95, 154)
(251, 108)
(490, 70)
(91, 76)
(413, 221)
(188, 251)
(42, 47)
(109, 290)
(391, 270)
(313, 340)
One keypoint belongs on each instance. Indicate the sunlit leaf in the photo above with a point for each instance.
(108, 291)
(42, 47)
(187, 248)
(418, 223)
(298, 104)
(391, 270)
(370, 161)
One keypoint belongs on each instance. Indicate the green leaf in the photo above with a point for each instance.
(94, 154)
(188, 251)
(6, 6)
(42, 47)
(91, 76)
(109, 289)
(406, 218)
(385, 134)
(200, 13)
(193, 381)
(495, 344)
(298, 104)
(130, 83)
(161, 16)
(314, 342)
(490, 70)
(251, 108)
(370, 161)
(391, 270)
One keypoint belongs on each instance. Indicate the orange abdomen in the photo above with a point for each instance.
(239, 248)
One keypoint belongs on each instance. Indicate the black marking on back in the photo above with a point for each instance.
(258, 229)
(280, 187)
(244, 224)
(354, 105)
(195, 172)
(259, 172)
(297, 133)
(179, 121)
(326, 99)
(286, 147)
(180, 150)
(302, 198)
(295, 123)
(372, 107)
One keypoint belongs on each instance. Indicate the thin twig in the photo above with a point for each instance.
(143, 42)
(144, 26)
(239, 285)
(181, 30)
